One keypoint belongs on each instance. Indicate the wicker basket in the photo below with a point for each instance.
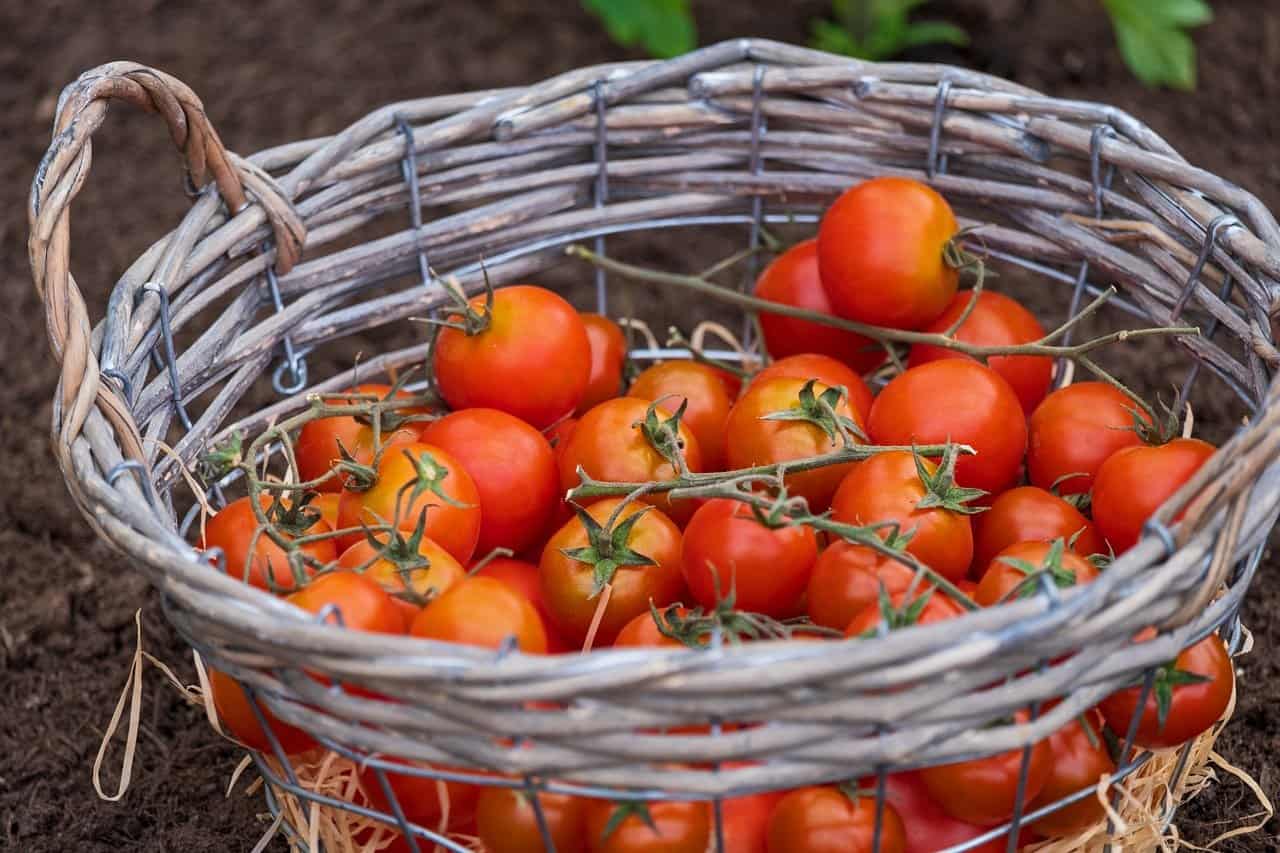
(262, 270)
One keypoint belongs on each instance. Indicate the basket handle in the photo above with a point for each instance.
(81, 110)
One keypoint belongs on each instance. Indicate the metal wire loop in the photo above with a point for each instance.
(170, 351)
(140, 472)
(1211, 234)
(331, 609)
(126, 384)
(409, 171)
(936, 162)
(1163, 533)
(294, 362)
(1100, 183)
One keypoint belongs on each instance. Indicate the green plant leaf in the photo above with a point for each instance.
(935, 32)
(665, 28)
(1152, 39)
(879, 29)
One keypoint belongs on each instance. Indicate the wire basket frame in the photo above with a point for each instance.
(746, 133)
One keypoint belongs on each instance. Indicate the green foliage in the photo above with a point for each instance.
(1153, 40)
(665, 28)
(880, 29)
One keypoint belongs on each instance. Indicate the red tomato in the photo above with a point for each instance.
(925, 607)
(1133, 483)
(846, 580)
(828, 371)
(826, 820)
(357, 601)
(887, 487)
(703, 392)
(392, 565)
(792, 279)
(647, 569)
(317, 447)
(236, 717)
(670, 828)
(452, 617)
(961, 401)
(507, 823)
(1080, 758)
(746, 821)
(532, 360)
(327, 505)
(524, 578)
(514, 469)
(1002, 578)
(996, 320)
(1074, 431)
(643, 632)
(880, 253)
(433, 804)
(608, 353)
(984, 790)
(1194, 691)
(232, 529)
(446, 492)
(1031, 514)
(754, 440)
(928, 828)
(615, 442)
(726, 549)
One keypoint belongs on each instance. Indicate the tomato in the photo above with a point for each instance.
(319, 443)
(1002, 578)
(400, 561)
(233, 529)
(928, 828)
(925, 606)
(358, 603)
(507, 823)
(558, 435)
(700, 388)
(996, 320)
(671, 827)
(236, 717)
(524, 578)
(608, 354)
(828, 371)
(827, 820)
(881, 253)
(1133, 483)
(1074, 431)
(727, 550)
(984, 790)
(754, 440)
(887, 487)
(532, 359)
(1187, 697)
(745, 821)
(485, 612)
(792, 279)
(846, 580)
(961, 401)
(514, 469)
(617, 441)
(642, 567)
(327, 505)
(1079, 759)
(642, 631)
(445, 491)
(1031, 514)
(434, 804)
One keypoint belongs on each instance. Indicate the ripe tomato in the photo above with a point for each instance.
(828, 371)
(671, 827)
(703, 392)
(727, 550)
(827, 820)
(642, 632)
(984, 790)
(359, 603)
(928, 828)
(1031, 514)
(640, 558)
(317, 447)
(792, 279)
(754, 439)
(846, 580)
(532, 359)
(523, 578)
(232, 529)
(507, 823)
(615, 442)
(482, 612)
(887, 487)
(1187, 697)
(327, 505)
(961, 401)
(608, 353)
(391, 565)
(1002, 577)
(745, 821)
(434, 804)
(880, 253)
(925, 607)
(444, 489)
(1079, 758)
(1133, 482)
(996, 320)
(1074, 431)
(237, 719)
(514, 469)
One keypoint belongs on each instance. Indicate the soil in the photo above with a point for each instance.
(270, 72)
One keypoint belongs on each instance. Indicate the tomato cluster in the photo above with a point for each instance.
(548, 500)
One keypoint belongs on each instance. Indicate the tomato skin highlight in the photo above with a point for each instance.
(523, 577)
(442, 572)
(453, 617)
(1031, 514)
(1074, 431)
(824, 820)
(846, 580)
(880, 253)
(793, 279)
(682, 827)
(532, 361)
(359, 602)
(232, 529)
(237, 719)
(703, 392)
(828, 371)
(1078, 762)
(608, 354)
(1133, 483)
(1001, 579)
(506, 821)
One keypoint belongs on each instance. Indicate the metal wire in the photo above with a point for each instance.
(170, 361)
(935, 161)
(295, 361)
(409, 171)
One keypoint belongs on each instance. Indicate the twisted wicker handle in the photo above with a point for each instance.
(81, 110)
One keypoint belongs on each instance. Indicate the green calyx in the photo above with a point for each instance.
(355, 476)
(1051, 566)
(905, 615)
(292, 518)
(1155, 427)
(940, 486)
(820, 410)
(222, 459)
(1167, 678)
(403, 553)
(624, 810)
(607, 548)
(429, 476)
(663, 434)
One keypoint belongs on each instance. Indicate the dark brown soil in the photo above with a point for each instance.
(272, 71)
